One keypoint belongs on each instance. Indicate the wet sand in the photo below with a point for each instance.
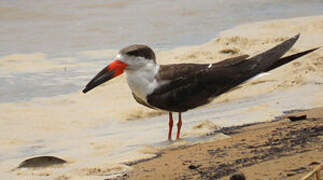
(99, 132)
(281, 149)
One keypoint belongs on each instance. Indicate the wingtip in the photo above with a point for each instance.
(317, 48)
(297, 36)
(314, 49)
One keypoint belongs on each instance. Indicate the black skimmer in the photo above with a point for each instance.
(181, 87)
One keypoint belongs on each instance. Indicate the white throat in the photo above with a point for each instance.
(142, 81)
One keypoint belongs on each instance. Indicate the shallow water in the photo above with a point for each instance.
(69, 29)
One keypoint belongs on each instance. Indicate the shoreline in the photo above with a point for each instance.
(280, 149)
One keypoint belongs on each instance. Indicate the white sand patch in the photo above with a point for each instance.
(37, 62)
(201, 128)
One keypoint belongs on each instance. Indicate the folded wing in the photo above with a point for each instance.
(192, 85)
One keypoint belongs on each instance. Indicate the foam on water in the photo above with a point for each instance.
(26, 76)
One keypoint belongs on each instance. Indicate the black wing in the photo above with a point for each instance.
(195, 87)
(192, 85)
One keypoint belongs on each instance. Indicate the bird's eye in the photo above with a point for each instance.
(133, 53)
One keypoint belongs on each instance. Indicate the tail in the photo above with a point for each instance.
(230, 73)
(288, 59)
(281, 62)
(271, 59)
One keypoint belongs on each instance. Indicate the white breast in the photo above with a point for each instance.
(141, 81)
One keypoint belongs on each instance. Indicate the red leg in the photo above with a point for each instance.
(170, 124)
(179, 125)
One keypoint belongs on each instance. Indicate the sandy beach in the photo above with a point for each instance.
(281, 149)
(98, 134)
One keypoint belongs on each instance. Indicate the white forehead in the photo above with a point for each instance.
(119, 57)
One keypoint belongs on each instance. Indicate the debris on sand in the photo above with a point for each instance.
(41, 161)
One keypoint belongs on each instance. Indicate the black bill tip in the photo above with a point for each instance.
(85, 90)
(104, 75)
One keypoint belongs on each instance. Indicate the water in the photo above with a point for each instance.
(68, 28)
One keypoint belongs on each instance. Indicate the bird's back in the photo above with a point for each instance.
(193, 85)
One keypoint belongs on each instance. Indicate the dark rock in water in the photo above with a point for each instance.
(41, 161)
(239, 176)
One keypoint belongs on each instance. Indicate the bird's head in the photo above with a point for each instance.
(130, 58)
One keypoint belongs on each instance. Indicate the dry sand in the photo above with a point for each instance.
(66, 123)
